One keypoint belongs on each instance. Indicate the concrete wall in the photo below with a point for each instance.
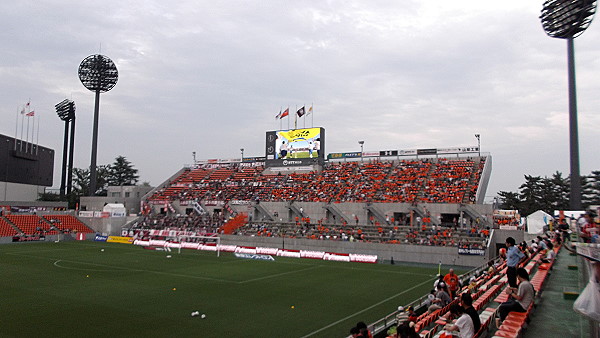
(116, 195)
(111, 226)
(400, 252)
(19, 192)
(316, 210)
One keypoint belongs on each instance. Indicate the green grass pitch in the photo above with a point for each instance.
(76, 289)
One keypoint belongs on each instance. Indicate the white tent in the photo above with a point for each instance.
(115, 209)
(537, 221)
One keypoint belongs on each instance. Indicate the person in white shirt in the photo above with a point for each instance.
(464, 323)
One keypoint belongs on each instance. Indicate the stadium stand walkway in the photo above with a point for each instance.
(554, 315)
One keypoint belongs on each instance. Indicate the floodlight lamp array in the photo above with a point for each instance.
(98, 73)
(565, 19)
(65, 110)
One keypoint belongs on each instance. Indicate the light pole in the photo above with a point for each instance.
(567, 19)
(99, 74)
(194, 157)
(242, 150)
(66, 112)
(478, 137)
(362, 143)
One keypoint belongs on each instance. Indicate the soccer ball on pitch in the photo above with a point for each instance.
(203, 316)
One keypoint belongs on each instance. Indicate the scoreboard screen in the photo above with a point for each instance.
(296, 147)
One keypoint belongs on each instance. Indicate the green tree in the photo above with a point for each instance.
(509, 200)
(591, 189)
(530, 195)
(561, 191)
(122, 172)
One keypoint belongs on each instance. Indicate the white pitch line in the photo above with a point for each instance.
(366, 309)
(134, 270)
(277, 275)
(83, 269)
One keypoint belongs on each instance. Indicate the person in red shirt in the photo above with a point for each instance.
(451, 279)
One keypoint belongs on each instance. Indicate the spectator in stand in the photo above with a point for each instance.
(550, 254)
(472, 285)
(534, 246)
(439, 279)
(407, 330)
(563, 226)
(442, 298)
(453, 282)
(464, 323)
(521, 298)
(412, 315)
(466, 301)
(364, 330)
(588, 229)
(514, 256)
(541, 243)
(491, 269)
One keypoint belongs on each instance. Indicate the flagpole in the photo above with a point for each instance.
(312, 115)
(27, 139)
(288, 116)
(280, 112)
(16, 128)
(37, 142)
(22, 124)
(296, 118)
(304, 125)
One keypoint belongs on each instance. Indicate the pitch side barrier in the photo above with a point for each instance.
(309, 254)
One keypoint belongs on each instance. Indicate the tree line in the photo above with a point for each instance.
(119, 173)
(550, 193)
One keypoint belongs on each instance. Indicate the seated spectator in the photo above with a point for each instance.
(407, 330)
(464, 323)
(534, 246)
(364, 331)
(442, 298)
(466, 301)
(439, 279)
(412, 315)
(472, 285)
(549, 255)
(521, 299)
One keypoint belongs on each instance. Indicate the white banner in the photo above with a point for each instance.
(327, 256)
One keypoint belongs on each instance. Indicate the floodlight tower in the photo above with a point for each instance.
(66, 112)
(567, 19)
(99, 74)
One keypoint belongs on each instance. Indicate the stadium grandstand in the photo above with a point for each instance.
(381, 203)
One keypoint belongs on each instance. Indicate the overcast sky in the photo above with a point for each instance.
(210, 76)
